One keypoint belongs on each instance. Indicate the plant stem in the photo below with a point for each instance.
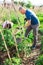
(6, 48)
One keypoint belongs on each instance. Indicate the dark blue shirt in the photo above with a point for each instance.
(32, 16)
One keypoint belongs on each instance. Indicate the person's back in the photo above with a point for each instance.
(31, 15)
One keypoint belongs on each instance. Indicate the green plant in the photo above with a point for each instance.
(40, 14)
(23, 46)
(41, 31)
(4, 18)
(15, 61)
(29, 4)
(42, 45)
(31, 36)
(22, 3)
(13, 18)
(1, 43)
(39, 61)
(8, 38)
(41, 19)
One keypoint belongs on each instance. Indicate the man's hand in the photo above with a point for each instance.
(25, 19)
(28, 23)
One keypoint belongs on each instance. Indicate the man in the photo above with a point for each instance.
(32, 23)
(7, 24)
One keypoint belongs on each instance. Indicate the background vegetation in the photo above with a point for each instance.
(23, 46)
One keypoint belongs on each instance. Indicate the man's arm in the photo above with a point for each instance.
(28, 23)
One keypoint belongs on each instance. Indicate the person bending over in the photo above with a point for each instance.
(7, 24)
(32, 22)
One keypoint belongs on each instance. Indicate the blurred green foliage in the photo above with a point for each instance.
(42, 45)
(15, 61)
(39, 60)
(29, 4)
(24, 45)
(8, 39)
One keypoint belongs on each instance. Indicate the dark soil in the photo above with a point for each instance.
(25, 60)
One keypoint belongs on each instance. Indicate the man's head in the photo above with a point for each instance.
(22, 10)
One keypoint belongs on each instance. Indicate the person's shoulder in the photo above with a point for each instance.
(30, 10)
(27, 11)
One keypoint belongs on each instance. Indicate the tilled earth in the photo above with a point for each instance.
(30, 60)
(32, 57)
